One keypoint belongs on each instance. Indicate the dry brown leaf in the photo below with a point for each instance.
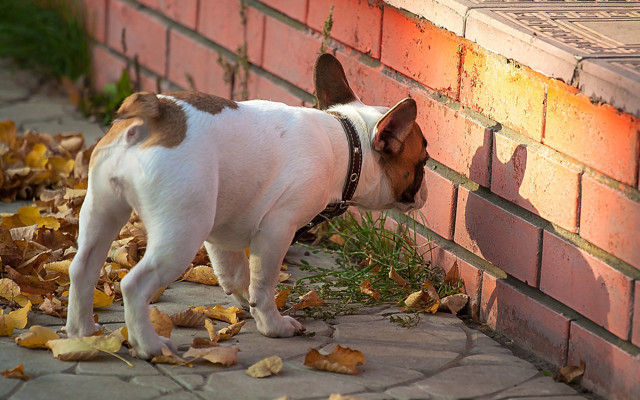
(9, 289)
(226, 356)
(397, 278)
(230, 331)
(210, 327)
(337, 239)
(309, 299)
(283, 277)
(453, 276)
(281, 297)
(266, 367)
(188, 319)
(53, 306)
(336, 396)
(85, 348)
(37, 337)
(16, 373)
(421, 301)
(169, 357)
(571, 372)
(161, 322)
(454, 303)
(201, 274)
(367, 288)
(342, 360)
(220, 313)
(200, 343)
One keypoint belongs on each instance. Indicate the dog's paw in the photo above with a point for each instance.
(147, 349)
(280, 327)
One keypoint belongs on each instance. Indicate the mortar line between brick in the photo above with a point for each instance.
(539, 260)
(565, 356)
(579, 201)
(545, 104)
(454, 213)
(631, 311)
(167, 52)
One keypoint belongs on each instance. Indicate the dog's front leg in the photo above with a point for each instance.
(267, 251)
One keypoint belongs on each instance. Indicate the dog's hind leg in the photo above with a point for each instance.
(175, 234)
(101, 217)
(232, 270)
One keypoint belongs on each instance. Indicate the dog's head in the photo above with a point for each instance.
(398, 146)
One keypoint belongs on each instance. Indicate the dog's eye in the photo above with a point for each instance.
(406, 175)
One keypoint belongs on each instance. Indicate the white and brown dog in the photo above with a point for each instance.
(199, 168)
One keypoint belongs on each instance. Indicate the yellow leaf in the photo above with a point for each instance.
(266, 367)
(227, 356)
(169, 357)
(342, 360)
(85, 348)
(201, 274)
(8, 133)
(209, 325)
(61, 267)
(9, 289)
(61, 165)
(35, 158)
(281, 297)
(30, 215)
(230, 331)
(20, 316)
(16, 373)
(37, 337)
(6, 325)
(101, 299)
(367, 288)
(161, 322)
(156, 295)
(220, 313)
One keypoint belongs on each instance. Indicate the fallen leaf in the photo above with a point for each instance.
(453, 276)
(16, 373)
(283, 277)
(337, 239)
(201, 274)
(52, 306)
(281, 297)
(210, 327)
(367, 288)
(226, 356)
(169, 357)
(342, 360)
(230, 331)
(336, 396)
(220, 313)
(161, 322)
(37, 337)
(7, 324)
(84, 348)
(101, 299)
(156, 295)
(453, 303)
(9, 289)
(20, 316)
(266, 367)
(309, 299)
(188, 319)
(570, 372)
(200, 343)
(397, 278)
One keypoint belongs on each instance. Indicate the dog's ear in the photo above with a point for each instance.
(331, 83)
(394, 127)
(142, 104)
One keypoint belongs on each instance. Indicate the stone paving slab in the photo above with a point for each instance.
(440, 358)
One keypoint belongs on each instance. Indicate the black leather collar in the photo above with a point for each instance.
(351, 182)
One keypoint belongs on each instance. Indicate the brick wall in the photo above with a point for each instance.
(533, 187)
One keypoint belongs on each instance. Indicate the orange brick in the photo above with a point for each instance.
(295, 9)
(597, 135)
(471, 275)
(182, 11)
(535, 181)
(453, 138)
(503, 91)
(207, 74)
(96, 18)
(262, 88)
(504, 239)
(144, 35)
(586, 284)
(290, 53)
(356, 23)
(610, 220)
(421, 51)
(610, 371)
(440, 205)
(106, 67)
(530, 322)
(221, 22)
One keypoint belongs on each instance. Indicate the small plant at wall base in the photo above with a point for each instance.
(375, 266)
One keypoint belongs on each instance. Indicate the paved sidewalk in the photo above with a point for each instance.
(441, 358)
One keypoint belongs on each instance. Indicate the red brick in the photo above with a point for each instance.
(586, 284)
(610, 371)
(145, 36)
(471, 276)
(370, 83)
(182, 11)
(207, 74)
(597, 135)
(221, 22)
(262, 88)
(503, 91)
(96, 18)
(290, 53)
(535, 181)
(635, 333)
(440, 205)
(295, 9)
(106, 67)
(421, 51)
(610, 220)
(149, 83)
(356, 23)
(531, 323)
(505, 240)
(454, 139)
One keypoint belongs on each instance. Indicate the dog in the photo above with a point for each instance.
(234, 175)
